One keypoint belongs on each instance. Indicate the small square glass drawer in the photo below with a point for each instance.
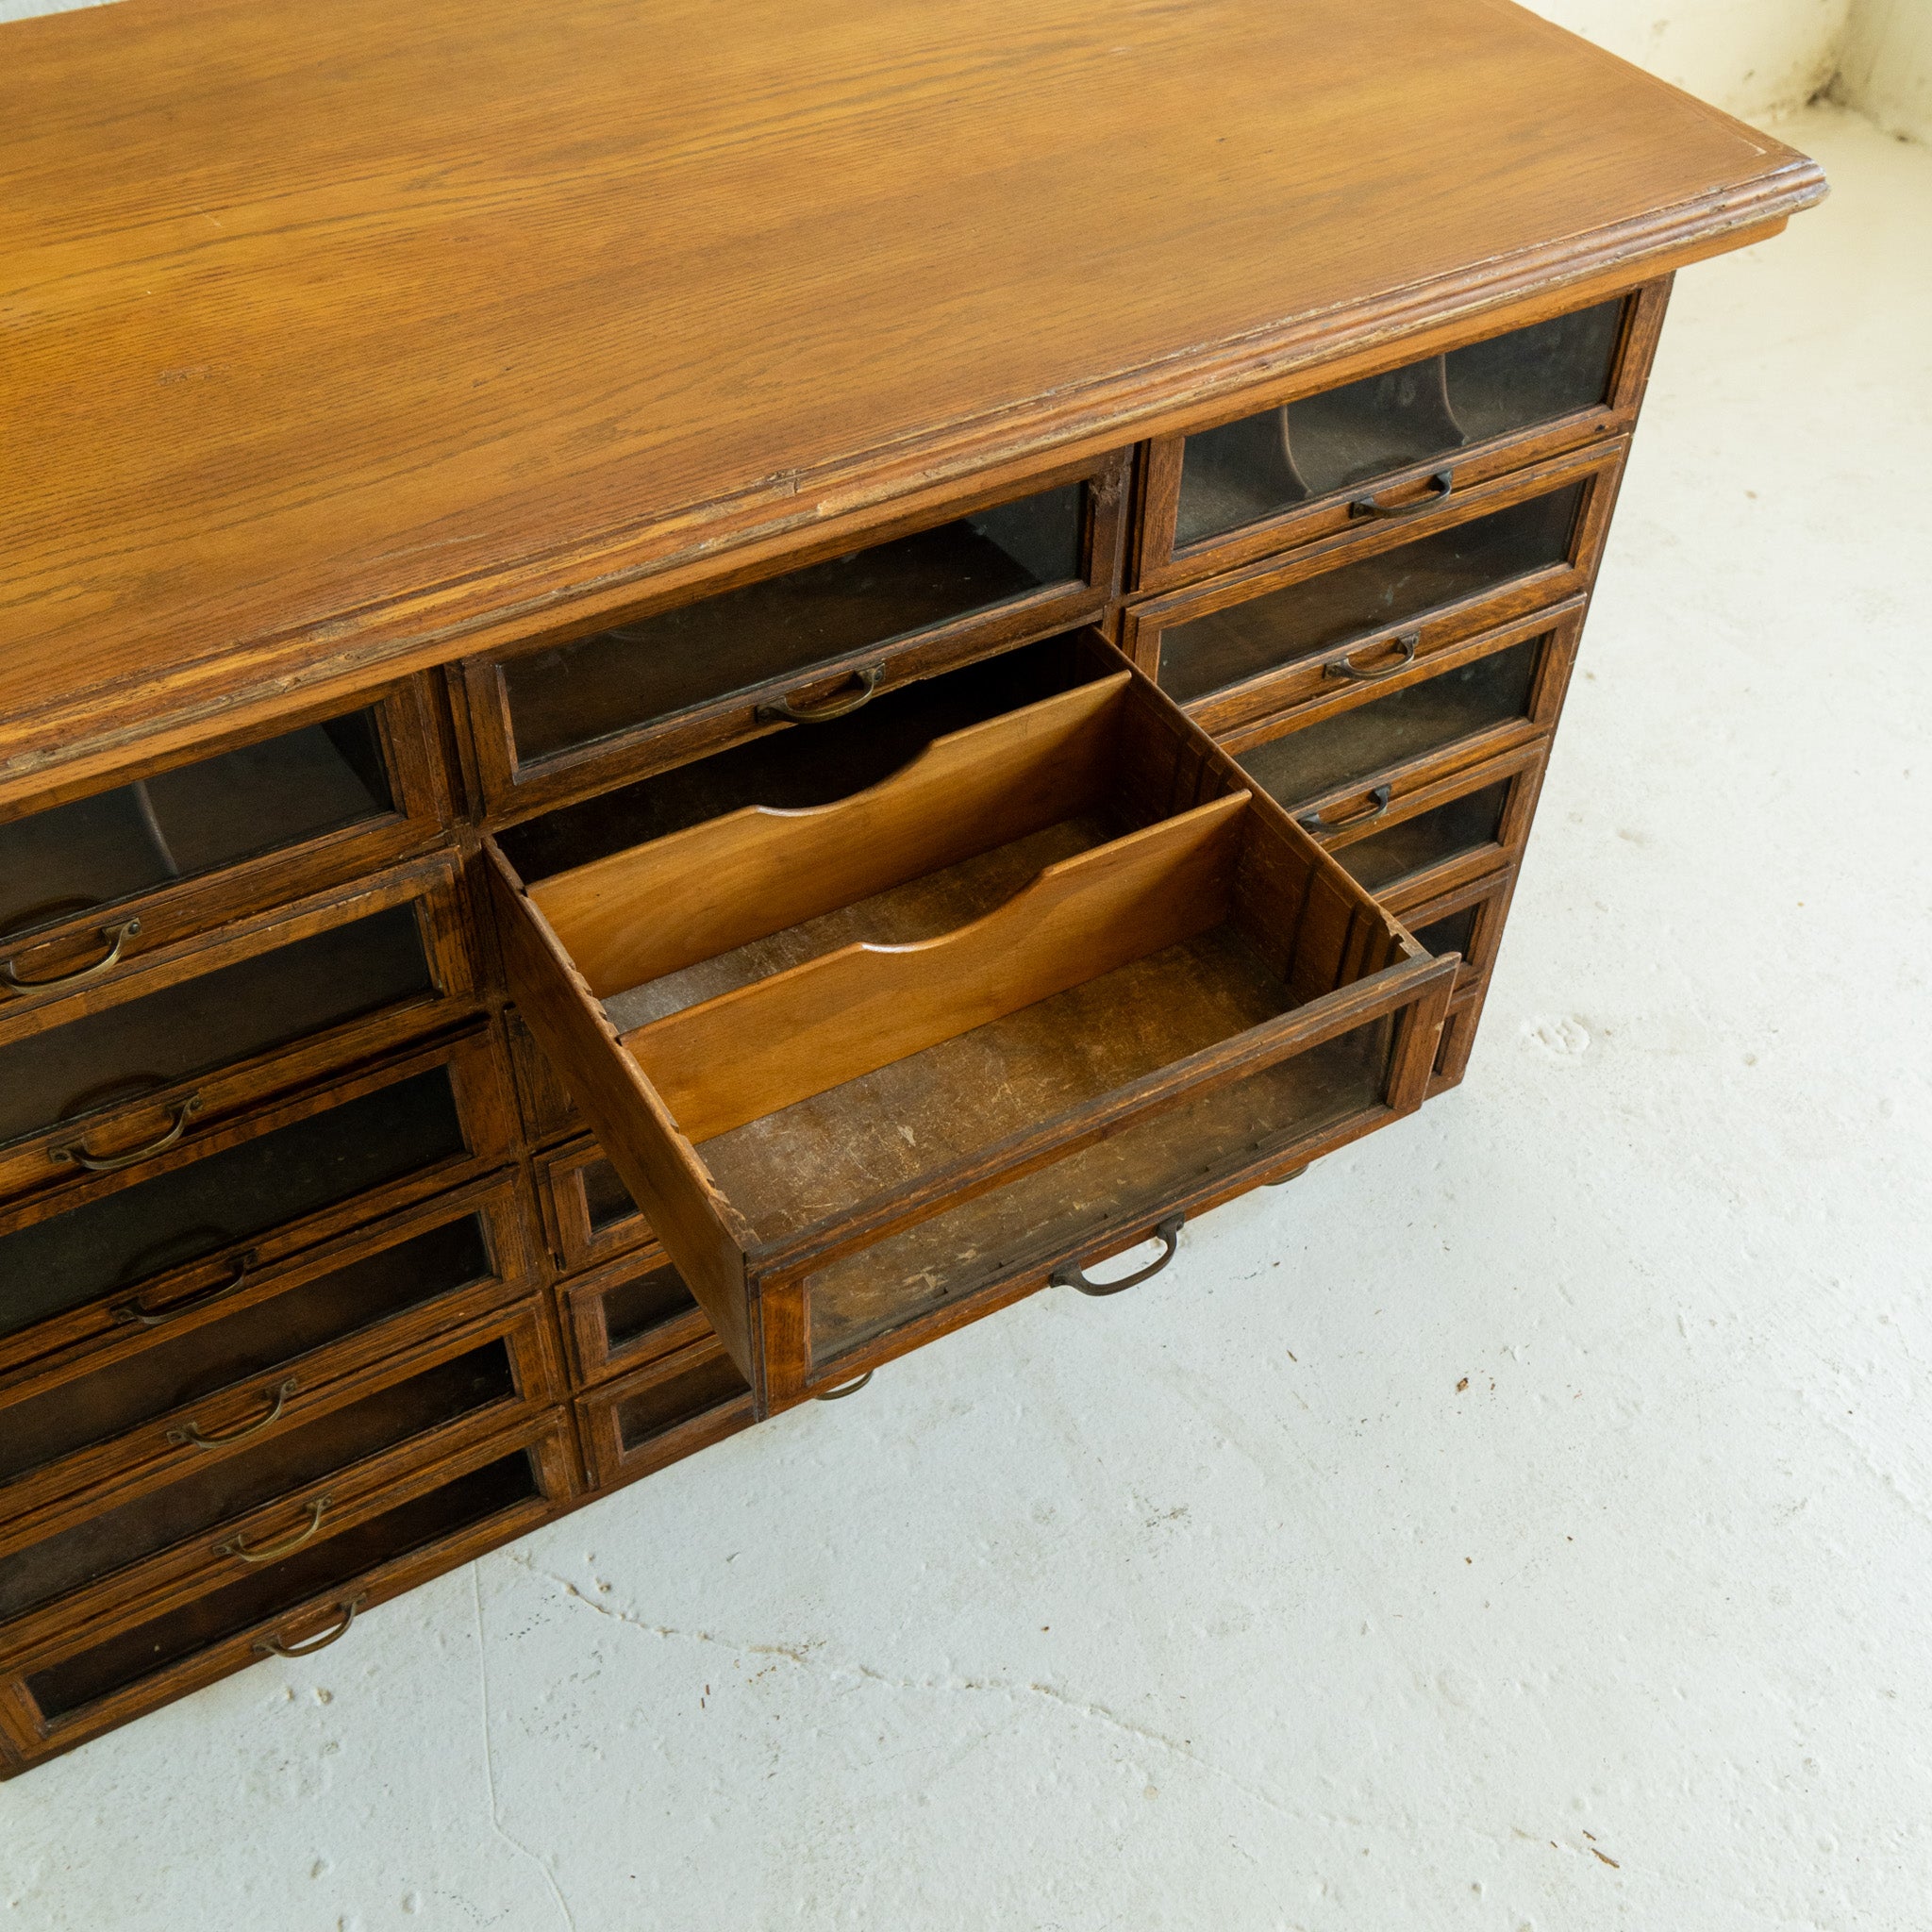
(1057, 978)
(100, 880)
(800, 645)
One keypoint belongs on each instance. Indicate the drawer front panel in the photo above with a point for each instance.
(1464, 704)
(660, 1414)
(235, 1510)
(191, 1221)
(1243, 647)
(593, 1217)
(1467, 921)
(161, 1058)
(76, 1684)
(152, 1395)
(542, 1096)
(633, 1312)
(90, 884)
(1440, 836)
(815, 641)
(1458, 1038)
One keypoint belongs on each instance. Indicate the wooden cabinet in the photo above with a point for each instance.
(603, 831)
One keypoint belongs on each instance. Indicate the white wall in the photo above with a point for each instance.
(1885, 66)
(1752, 57)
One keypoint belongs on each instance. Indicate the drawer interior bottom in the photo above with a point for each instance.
(889, 1128)
(1112, 1185)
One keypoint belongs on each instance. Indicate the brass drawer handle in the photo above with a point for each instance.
(844, 1389)
(273, 1646)
(277, 1400)
(1442, 483)
(1314, 822)
(1346, 667)
(271, 1553)
(76, 1152)
(116, 937)
(824, 715)
(149, 1317)
(1168, 1234)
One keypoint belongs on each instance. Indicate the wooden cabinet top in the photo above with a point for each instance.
(341, 340)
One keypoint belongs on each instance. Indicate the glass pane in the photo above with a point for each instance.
(120, 1240)
(327, 1565)
(1409, 722)
(1375, 593)
(1077, 1202)
(605, 1197)
(176, 1368)
(589, 689)
(678, 1398)
(191, 820)
(106, 1059)
(1349, 438)
(1448, 831)
(635, 1307)
(236, 1484)
(1451, 935)
(790, 770)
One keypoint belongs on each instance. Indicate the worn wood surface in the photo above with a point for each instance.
(347, 338)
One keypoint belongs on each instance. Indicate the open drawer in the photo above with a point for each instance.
(878, 1065)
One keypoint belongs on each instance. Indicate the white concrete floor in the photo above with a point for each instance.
(1226, 1605)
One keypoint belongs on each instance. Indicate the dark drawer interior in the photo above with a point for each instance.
(235, 1483)
(327, 1565)
(193, 819)
(122, 1238)
(578, 693)
(1375, 593)
(1352, 438)
(102, 1061)
(257, 1341)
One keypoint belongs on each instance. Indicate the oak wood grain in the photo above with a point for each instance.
(349, 337)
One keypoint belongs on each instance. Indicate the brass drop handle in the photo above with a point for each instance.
(277, 1400)
(271, 1553)
(1314, 822)
(346, 1616)
(824, 715)
(1404, 656)
(1168, 1234)
(844, 1389)
(74, 1152)
(152, 1318)
(116, 936)
(1442, 483)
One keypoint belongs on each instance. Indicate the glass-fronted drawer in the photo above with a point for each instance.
(98, 881)
(1413, 724)
(124, 1247)
(78, 1681)
(180, 1386)
(797, 645)
(1250, 645)
(593, 1217)
(632, 1311)
(1308, 458)
(274, 1491)
(164, 1055)
(1411, 847)
(664, 1412)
